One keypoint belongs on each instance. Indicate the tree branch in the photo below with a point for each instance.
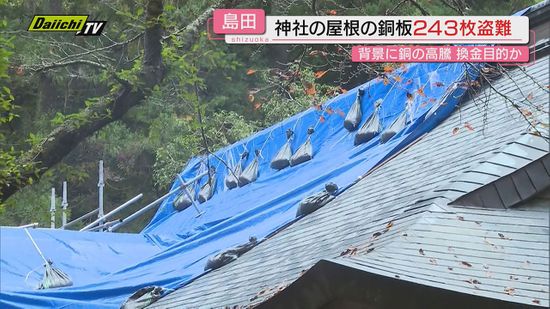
(63, 139)
(54, 65)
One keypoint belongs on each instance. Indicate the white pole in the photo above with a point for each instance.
(64, 205)
(30, 225)
(113, 212)
(52, 209)
(100, 184)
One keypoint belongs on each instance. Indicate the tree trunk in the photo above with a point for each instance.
(63, 139)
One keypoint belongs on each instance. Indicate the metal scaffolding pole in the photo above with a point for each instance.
(100, 184)
(52, 209)
(105, 226)
(140, 212)
(64, 206)
(112, 213)
(33, 225)
(83, 217)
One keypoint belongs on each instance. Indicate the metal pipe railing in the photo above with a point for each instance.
(33, 225)
(140, 212)
(83, 217)
(112, 212)
(52, 209)
(101, 185)
(104, 226)
(64, 205)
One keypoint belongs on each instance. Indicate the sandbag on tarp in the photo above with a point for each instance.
(305, 152)
(232, 177)
(184, 199)
(207, 190)
(318, 200)
(397, 125)
(371, 127)
(229, 255)
(143, 297)
(250, 173)
(282, 159)
(54, 278)
(353, 118)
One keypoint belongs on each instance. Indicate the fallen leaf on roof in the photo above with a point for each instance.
(397, 276)
(410, 96)
(398, 78)
(510, 291)
(530, 97)
(455, 130)
(536, 301)
(329, 111)
(421, 251)
(405, 234)
(461, 218)
(473, 281)
(438, 84)
(433, 261)
(466, 264)
(377, 234)
(322, 118)
(478, 222)
(450, 268)
(341, 113)
(389, 225)
(468, 126)
(525, 112)
(485, 266)
(386, 81)
(369, 250)
(450, 249)
(420, 92)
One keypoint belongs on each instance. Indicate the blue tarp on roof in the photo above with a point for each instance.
(172, 250)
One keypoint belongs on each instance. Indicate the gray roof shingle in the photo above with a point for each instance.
(407, 191)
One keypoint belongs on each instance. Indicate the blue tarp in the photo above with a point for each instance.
(172, 250)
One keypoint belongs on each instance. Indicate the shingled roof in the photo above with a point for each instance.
(397, 221)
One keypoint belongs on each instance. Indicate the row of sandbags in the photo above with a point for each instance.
(238, 177)
(372, 126)
(185, 198)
